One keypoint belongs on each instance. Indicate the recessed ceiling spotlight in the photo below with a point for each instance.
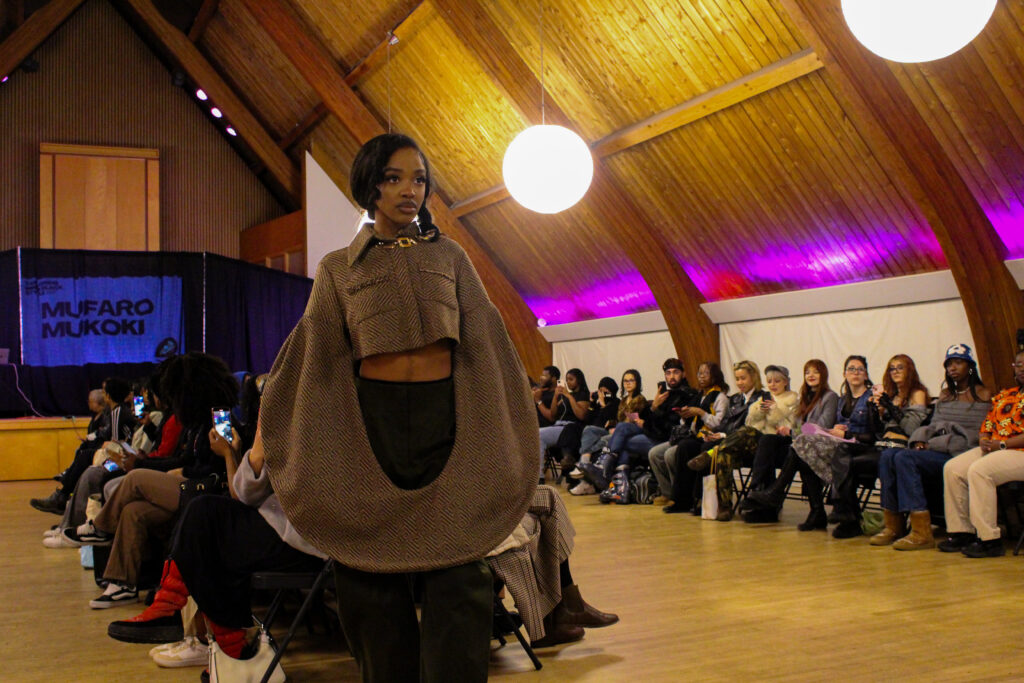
(201, 95)
(216, 113)
(231, 131)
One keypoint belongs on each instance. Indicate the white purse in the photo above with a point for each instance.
(227, 669)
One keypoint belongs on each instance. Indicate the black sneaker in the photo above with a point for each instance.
(759, 516)
(114, 595)
(87, 534)
(54, 503)
(993, 548)
(847, 530)
(957, 542)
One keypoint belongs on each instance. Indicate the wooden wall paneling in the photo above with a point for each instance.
(71, 192)
(326, 78)
(152, 205)
(203, 17)
(46, 227)
(694, 335)
(130, 203)
(279, 236)
(282, 172)
(899, 134)
(29, 35)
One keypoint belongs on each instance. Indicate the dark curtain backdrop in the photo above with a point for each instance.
(249, 311)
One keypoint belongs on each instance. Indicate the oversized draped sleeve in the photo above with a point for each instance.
(329, 482)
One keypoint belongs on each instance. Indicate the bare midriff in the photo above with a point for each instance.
(425, 364)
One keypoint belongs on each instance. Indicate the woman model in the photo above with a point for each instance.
(399, 431)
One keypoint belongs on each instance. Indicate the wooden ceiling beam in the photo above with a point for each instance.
(917, 163)
(33, 31)
(308, 122)
(282, 172)
(203, 18)
(694, 336)
(405, 27)
(705, 104)
(315, 64)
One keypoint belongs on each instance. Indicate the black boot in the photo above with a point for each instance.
(773, 497)
(598, 473)
(817, 519)
(55, 502)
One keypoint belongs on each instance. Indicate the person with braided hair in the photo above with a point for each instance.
(382, 434)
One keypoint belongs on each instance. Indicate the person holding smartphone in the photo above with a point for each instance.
(371, 461)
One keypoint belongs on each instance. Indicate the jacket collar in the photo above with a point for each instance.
(366, 238)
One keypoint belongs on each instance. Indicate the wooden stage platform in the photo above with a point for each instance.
(38, 447)
(699, 601)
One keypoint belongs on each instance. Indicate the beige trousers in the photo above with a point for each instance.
(970, 481)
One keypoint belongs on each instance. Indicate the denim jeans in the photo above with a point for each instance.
(591, 439)
(548, 438)
(629, 438)
(902, 471)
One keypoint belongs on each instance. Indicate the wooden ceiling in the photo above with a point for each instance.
(751, 188)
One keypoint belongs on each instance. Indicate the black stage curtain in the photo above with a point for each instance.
(232, 309)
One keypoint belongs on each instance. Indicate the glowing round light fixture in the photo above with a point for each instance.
(201, 95)
(916, 30)
(547, 169)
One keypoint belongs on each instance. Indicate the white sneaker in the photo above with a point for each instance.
(115, 594)
(583, 489)
(57, 541)
(160, 648)
(50, 533)
(576, 473)
(189, 652)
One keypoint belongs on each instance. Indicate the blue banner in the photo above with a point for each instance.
(73, 321)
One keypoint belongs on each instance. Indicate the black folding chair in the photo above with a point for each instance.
(506, 623)
(282, 582)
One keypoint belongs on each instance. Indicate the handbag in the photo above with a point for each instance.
(211, 484)
(709, 500)
(226, 669)
(678, 433)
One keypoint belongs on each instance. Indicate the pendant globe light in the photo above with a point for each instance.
(547, 168)
(916, 30)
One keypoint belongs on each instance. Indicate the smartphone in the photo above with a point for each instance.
(678, 409)
(222, 423)
(111, 466)
(661, 387)
(633, 416)
(140, 404)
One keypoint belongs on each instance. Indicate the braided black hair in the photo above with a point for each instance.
(368, 172)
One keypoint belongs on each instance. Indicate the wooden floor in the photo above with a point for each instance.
(699, 601)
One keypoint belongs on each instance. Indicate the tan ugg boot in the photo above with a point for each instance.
(920, 536)
(894, 528)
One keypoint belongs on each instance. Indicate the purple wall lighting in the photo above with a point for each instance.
(627, 293)
(792, 266)
(1009, 224)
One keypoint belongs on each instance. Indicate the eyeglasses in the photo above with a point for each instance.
(855, 370)
(1017, 366)
(897, 368)
(631, 381)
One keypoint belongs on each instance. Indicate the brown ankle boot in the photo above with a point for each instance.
(557, 634)
(920, 536)
(574, 611)
(894, 528)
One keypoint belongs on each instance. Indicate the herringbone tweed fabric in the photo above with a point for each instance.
(317, 452)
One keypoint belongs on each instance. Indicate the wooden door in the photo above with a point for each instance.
(99, 198)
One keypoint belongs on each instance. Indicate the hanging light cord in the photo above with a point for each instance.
(391, 37)
(541, 13)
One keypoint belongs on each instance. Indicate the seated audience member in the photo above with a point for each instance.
(533, 563)
(594, 438)
(971, 478)
(601, 412)
(954, 426)
(901, 405)
(711, 400)
(639, 434)
(544, 395)
(748, 391)
(770, 415)
(115, 423)
(219, 543)
(813, 451)
(149, 445)
(570, 405)
(147, 502)
(818, 405)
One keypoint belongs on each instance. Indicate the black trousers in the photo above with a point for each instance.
(771, 453)
(686, 482)
(411, 429)
(851, 464)
(83, 460)
(218, 545)
(452, 641)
